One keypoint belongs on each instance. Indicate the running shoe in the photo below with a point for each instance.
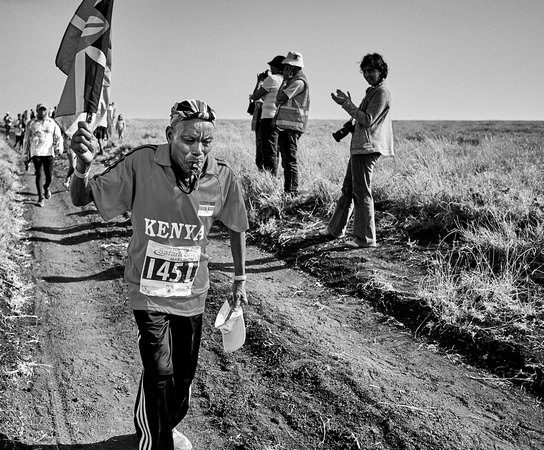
(356, 243)
(180, 441)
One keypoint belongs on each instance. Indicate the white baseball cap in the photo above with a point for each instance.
(232, 326)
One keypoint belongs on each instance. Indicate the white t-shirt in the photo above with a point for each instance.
(43, 138)
(271, 84)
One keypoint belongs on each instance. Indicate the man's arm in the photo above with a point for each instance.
(286, 92)
(238, 249)
(84, 146)
(58, 141)
(259, 93)
(378, 103)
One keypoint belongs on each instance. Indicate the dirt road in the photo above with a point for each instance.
(319, 370)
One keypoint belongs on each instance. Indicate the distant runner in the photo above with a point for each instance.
(7, 124)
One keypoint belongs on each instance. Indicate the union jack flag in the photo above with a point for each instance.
(85, 56)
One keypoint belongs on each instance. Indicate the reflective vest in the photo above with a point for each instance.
(293, 114)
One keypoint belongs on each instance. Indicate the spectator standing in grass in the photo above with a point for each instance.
(255, 108)
(120, 127)
(175, 191)
(7, 123)
(43, 140)
(293, 105)
(372, 138)
(269, 133)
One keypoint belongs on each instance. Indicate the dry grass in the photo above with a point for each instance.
(15, 366)
(475, 188)
(11, 224)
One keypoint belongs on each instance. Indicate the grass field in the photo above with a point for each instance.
(474, 190)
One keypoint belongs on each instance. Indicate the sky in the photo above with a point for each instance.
(448, 59)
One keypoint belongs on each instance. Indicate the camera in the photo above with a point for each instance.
(346, 129)
(262, 76)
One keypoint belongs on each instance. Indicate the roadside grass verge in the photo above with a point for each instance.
(14, 302)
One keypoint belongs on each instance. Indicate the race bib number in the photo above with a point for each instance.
(169, 271)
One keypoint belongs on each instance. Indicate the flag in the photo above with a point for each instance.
(85, 56)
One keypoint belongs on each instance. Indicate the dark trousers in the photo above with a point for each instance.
(259, 155)
(18, 141)
(169, 348)
(357, 197)
(47, 163)
(288, 142)
(269, 137)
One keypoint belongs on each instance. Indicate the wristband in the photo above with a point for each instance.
(240, 278)
(78, 174)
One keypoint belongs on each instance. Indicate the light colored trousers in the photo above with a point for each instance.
(357, 186)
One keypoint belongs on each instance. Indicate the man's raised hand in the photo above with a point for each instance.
(83, 143)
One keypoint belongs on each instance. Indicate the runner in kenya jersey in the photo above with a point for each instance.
(175, 191)
(167, 265)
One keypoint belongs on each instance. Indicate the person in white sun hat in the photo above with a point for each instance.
(293, 106)
(175, 192)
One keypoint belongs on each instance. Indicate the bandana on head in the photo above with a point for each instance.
(191, 109)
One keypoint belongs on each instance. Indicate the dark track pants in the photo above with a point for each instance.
(169, 348)
(269, 135)
(288, 142)
(47, 163)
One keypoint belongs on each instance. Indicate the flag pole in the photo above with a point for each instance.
(84, 56)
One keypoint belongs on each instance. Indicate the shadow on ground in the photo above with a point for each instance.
(125, 442)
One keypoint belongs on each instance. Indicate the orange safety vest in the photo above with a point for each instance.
(293, 114)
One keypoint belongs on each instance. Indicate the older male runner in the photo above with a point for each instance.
(175, 191)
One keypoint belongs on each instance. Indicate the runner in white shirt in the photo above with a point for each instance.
(175, 191)
(42, 142)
